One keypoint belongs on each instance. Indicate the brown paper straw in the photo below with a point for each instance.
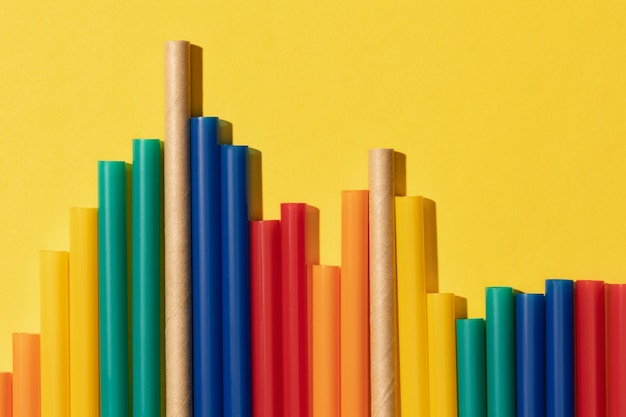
(178, 383)
(383, 344)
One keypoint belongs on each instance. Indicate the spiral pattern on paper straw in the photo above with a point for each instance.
(383, 345)
(178, 383)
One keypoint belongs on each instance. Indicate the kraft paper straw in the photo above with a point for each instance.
(178, 333)
(236, 282)
(590, 349)
(146, 277)
(55, 359)
(267, 387)
(412, 321)
(470, 353)
(26, 375)
(383, 340)
(530, 355)
(617, 348)
(355, 374)
(500, 348)
(6, 394)
(206, 242)
(559, 348)
(84, 358)
(295, 317)
(326, 333)
(113, 285)
(442, 355)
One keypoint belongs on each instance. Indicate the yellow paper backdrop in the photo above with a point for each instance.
(512, 116)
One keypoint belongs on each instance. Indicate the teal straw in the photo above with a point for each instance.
(146, 277)
(500, 347)
(113, 284)
(470, 353)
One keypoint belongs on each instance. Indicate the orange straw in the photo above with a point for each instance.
(326, 383)
(26, 380)
(355, 359)
(6, 400)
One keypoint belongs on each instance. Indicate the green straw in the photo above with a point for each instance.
(500, 326)
(470, 353)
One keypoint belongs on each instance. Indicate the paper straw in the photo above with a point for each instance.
(412, 320)
(295, 315)
(55, 359)
(146, 277)
(470, 353)
(84, 360)
(383, 340)
(26, 375)
(178, 335)
(617, 349)
(590, 349)
(355, 388)
(530, 355)
(206, 258)
(559, 348)
(236, 282)
(113, 285)
(6, 394)
(500, 347)
(442, 355)
(326, 333)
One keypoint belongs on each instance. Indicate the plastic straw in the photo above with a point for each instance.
(113, 285)
(295, 312)
(530, 355)
(266, 319)
(412, 319)
(26, 375)
(206, 264)
(500, 348)
(84, 357)
(559, 348)
(236, 282)
(6, 394)
(442, 354)
(146, 305)
(55, 359)
(590, 349)
(617, 350)
(326, 333)
(355, 359)
(470, 351)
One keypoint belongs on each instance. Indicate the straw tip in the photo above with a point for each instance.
(177, 42)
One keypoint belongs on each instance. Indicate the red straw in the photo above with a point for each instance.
(266, 319)
(617, 349)
(590, 349)
(294, 310)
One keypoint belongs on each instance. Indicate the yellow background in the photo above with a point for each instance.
(511, 115)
